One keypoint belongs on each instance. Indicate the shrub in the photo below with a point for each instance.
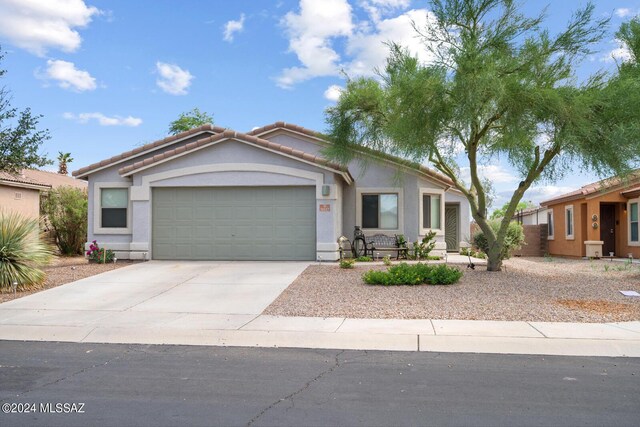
(98, 254)
(347, 262)
(364, 259)
(386, 260)
(422, 249)
(22, 251)
(444, 275)
(405, 274)
(66, 210)
(513, 240)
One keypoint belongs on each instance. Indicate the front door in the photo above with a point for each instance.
(451, 226)
(608, 229)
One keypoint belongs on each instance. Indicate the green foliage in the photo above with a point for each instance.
(347, 263)
(422, 249)
(22, 252)
(100, 255)
(513, 239)
(66, 210)
(416, 274)
(190, 120)
(19, 139)
(500, 85)
(63, 159)
(471, 252)
(386, 260)
(499, 213)
(364, 259)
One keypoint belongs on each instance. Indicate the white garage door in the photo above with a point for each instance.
(234, 223)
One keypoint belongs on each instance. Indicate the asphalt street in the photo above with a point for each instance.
(68, 384)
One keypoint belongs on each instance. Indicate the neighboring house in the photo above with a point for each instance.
(599, 219)
(21, 194)
(216, 194)
(531, 216)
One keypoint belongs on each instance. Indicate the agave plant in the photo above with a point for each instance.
(22, 251)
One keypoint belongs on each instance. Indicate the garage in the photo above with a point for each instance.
(234, 223)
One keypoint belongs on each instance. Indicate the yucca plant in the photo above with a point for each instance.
(22, 251)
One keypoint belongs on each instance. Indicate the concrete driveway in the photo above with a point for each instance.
(202, 295)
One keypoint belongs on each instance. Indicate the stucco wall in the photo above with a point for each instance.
(28, 205)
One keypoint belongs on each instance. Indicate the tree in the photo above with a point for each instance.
(19, 139)
(66, 211)
(190, 120)
(498, 85)
(499, 213)
(63, 159)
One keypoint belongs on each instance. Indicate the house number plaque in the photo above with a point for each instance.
(325, 208)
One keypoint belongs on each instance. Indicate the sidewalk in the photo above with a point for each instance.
(468, 336)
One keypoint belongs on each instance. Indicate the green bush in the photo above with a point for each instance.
(364, 259)
(22, 251)
(387, 260)
(513, 240)
(416, 274)
(347, 263)
(66, 210)
(422, 249)
(442, 274)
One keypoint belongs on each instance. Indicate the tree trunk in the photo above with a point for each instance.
(494, 260)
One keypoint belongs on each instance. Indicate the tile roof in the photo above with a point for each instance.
(421, 168)
(605, 185)
(21, 179)
(229, 134)
(54, 179)
(136, 151)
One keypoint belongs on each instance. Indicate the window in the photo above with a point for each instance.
(568, 216)
(380, 211)
(550, 225)
(431, 211)
(633, 222)
(114, 203)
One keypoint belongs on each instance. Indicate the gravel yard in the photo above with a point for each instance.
(61, 271)
(531, 289)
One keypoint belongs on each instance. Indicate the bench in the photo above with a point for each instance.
(382, 242)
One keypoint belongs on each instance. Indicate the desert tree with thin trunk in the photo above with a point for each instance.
(190, 120)
(498, 85)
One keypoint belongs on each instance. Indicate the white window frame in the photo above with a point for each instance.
(573, 223)
(552, 222)
(377, 191)
(97, 209)
(431, 192)
(629, 242)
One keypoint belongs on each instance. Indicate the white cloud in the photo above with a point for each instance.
(541, 193)
(333, 92)
(310, 35)
(173, 79)
(232, 27)
(104, 120)
(622, 12)
(68, 76)
(494, 173)
(38, 25)
(319, 26)
(369, 50)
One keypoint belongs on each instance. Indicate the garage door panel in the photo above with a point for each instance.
(234, 223)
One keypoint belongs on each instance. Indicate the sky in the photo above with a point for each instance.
(108, 76)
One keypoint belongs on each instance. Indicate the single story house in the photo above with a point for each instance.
(21, 194)
(599, 219)
(531, 216)
(269, 194)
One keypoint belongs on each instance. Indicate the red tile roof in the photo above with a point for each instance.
(140, 150)
(398, 160)
(229, 134)
(54, 179)
(21, 180)
(604, 186)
